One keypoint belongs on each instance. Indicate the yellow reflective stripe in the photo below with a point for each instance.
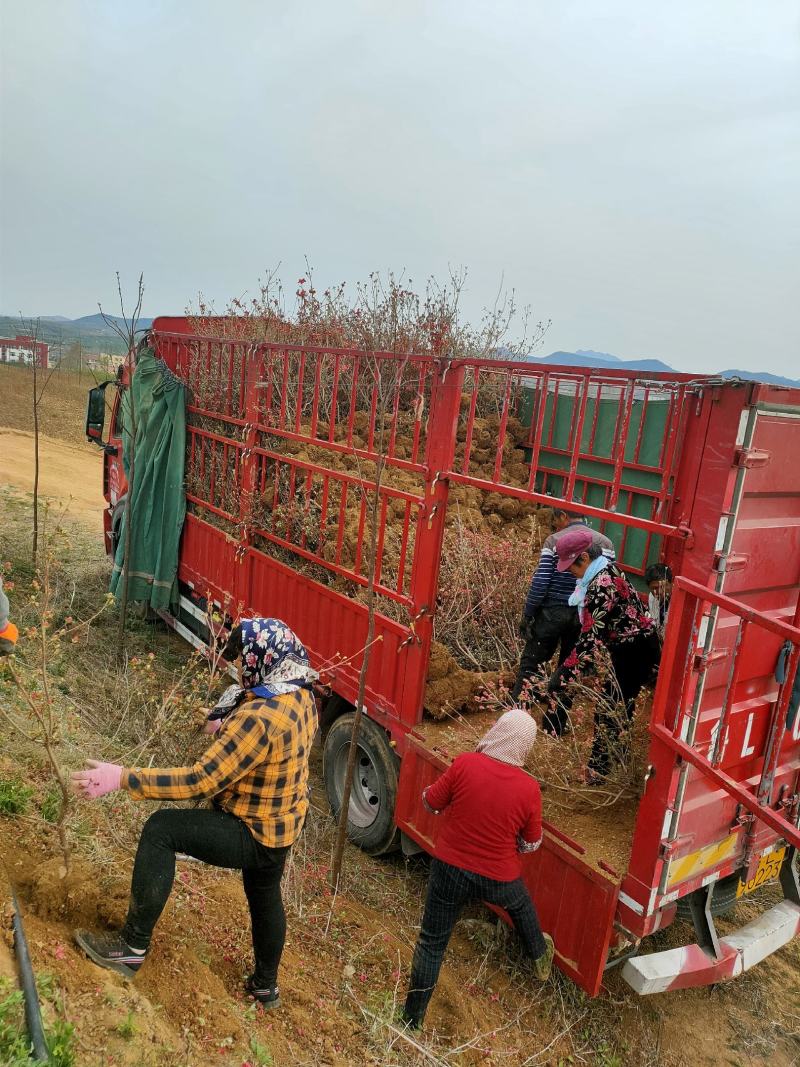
(709, 856)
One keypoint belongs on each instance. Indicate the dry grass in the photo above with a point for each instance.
(62, 410)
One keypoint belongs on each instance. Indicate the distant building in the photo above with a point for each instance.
(104, 361)
(22, 349)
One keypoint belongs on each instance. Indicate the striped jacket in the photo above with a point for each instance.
(256, 768)
(550, 587)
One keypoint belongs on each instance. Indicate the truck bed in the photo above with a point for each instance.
(597, 821)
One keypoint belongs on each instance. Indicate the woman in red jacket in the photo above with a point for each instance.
(491, 812)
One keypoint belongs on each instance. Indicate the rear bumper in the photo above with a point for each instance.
(683, 968)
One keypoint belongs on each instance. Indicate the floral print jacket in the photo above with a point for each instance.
(612, 615)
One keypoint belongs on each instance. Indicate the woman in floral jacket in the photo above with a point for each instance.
(614, 618)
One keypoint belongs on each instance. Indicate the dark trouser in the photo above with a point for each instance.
(632, 666)
(553, 627)
(218, 838)
(633, 663)
(449, 889)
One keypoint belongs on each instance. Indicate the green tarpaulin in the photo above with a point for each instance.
(158, 500)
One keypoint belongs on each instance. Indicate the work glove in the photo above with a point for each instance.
(525, 624)
(97, 779)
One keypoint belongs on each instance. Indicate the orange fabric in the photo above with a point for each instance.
(9, 633)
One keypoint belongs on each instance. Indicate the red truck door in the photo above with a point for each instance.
(725, 758)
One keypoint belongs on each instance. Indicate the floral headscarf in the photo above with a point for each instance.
(274, 662)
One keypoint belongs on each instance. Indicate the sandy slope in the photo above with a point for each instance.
(68, 476)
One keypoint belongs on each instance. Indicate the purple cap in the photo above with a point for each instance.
(570, 545)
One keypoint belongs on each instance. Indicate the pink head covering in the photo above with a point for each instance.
(570, 545)
(510, 739)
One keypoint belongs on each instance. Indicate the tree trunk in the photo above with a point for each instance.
(128, 514)
(352, 756)
(35, 547)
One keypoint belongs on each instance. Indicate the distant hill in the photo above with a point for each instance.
(97, 322)
(602, 359)
(588, 358)
(597, 355)
(96, 336)
(761, 376)
(60, 332)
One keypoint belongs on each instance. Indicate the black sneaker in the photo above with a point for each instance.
(110, 950)
(268, 996)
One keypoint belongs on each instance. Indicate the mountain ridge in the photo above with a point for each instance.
(590, 358)
(95, 333)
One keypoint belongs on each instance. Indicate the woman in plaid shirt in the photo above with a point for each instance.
(256, 771)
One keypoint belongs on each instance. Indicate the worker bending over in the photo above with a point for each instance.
(612, 615)
(8, 631)
(256, 771)
(548, 622)
(491, 812)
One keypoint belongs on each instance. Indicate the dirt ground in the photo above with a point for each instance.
(69, 476)
(346, 959)
(62, 405)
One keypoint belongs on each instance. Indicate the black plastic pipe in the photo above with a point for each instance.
(33, 1011)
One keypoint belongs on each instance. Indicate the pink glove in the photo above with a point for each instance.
(97, 779)
(211, 726)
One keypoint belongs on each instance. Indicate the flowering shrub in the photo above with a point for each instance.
(482, 588)
(384, 313)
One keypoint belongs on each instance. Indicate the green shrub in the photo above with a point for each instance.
(14, 796)
(15, 1047)
(51, 804)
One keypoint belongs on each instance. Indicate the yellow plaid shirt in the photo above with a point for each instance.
(256, 769)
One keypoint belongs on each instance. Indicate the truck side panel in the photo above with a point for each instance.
(334, 630)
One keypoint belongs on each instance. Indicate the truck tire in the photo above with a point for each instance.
(723, 901)
(370, 823)
(116, 523)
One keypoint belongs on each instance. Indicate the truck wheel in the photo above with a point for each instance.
(370, 823)
(723, 901)
(116, 523)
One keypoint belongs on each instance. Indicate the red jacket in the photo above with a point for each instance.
(491, 812)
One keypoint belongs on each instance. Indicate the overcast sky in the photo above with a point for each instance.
(632, 169)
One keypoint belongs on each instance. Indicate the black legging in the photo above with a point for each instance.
(633, 663)
(218, 838)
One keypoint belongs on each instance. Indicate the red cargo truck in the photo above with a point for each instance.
(282, 447)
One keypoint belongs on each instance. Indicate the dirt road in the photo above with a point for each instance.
(68, 476)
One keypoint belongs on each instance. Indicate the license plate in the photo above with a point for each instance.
(769, 867)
